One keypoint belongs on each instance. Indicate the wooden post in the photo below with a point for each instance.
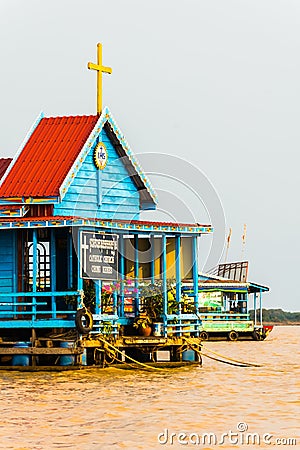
(164, 279)
(98, 292)
(33, 339)
(152, 264)
(195, 279)
(53, 271)
(178, 267)
(260, 307)
(79, 279)
(195, 270)
(122, 274)
(34, 270)
(136, 269)
(70, 260)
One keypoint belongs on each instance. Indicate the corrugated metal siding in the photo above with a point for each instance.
(120, 197)
(48, 156)
(7, 266)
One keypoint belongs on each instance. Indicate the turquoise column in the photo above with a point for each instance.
(260, 307)
(98, 290)
(195, 277)
(178, 267)
(115, 302)
(195, 270)
(53, 271)
(247, 302)
(79, 279)
(34, 270)
(164, 281)
(122, 274)
(254, 307)
(70, 260)
(136, 269)
(15, 269)
(152, 264)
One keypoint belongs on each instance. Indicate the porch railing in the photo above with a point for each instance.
(34, 305)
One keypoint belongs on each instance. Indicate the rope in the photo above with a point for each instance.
(123, 362)
(224, 362)
(239, 363)
(231, 359)
(192, 345)
(129, 357)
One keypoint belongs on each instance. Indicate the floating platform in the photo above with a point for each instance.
(124, 366)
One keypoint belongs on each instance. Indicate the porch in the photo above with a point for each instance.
(47, 285)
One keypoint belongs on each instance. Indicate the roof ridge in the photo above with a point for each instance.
(73, 116)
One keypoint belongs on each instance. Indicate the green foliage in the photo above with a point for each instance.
(278, 316)
(142, 321)
(151, 299)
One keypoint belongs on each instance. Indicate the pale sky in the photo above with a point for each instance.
(215, 83)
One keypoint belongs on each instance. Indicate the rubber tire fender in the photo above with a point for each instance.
(233, 335)
(204, 336)
(80, 314)
(257, 336)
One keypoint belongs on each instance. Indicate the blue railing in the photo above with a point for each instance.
(33, 307)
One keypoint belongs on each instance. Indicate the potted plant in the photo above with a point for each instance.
(143, 324)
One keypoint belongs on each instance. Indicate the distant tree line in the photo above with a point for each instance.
(278, 316)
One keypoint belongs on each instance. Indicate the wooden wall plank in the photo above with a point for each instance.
(120, 197)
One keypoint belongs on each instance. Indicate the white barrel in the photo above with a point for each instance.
(158, 329)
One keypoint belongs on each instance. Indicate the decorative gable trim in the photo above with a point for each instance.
(106, 117)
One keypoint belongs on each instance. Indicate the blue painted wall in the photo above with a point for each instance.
(8, 273)
(120, 197)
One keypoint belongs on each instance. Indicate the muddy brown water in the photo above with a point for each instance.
(216, 406)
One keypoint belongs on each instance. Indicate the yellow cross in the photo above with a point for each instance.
(99, 69)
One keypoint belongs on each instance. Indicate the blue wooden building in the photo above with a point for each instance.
(71, 241)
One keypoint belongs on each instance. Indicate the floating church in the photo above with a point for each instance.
(83, 280)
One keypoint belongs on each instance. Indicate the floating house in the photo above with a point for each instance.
(83, 280)
(224, 300)
(78, 268)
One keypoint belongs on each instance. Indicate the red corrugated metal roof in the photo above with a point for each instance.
(48, 156)
(4, 163)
